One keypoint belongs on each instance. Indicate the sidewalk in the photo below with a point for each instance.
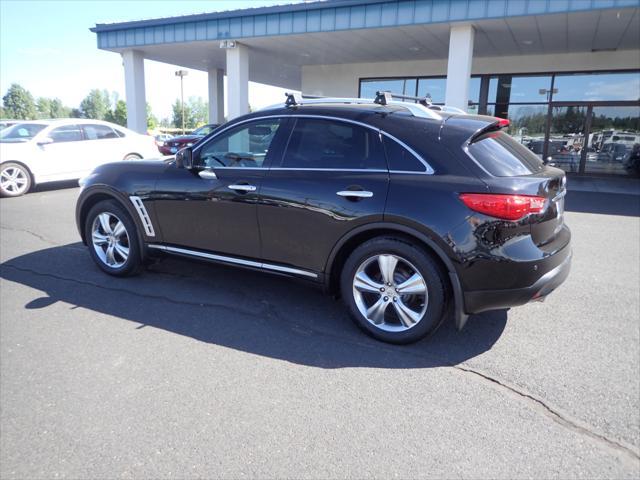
(622, 185)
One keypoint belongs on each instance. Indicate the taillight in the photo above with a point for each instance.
(507, 207)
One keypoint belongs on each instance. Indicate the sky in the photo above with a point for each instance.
(46, 47)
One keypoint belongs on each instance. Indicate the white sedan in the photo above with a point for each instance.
(42, 151)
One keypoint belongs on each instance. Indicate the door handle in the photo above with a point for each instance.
(355, 193)
(207, 174)
(243, 188)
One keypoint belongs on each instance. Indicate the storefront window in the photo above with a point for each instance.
(597, 87)
(404, 86)
(505, 89)
(614, 142)
(527, 124)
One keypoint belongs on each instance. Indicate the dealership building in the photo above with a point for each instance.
(566, 73)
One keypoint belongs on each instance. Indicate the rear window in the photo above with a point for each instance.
(502, 156)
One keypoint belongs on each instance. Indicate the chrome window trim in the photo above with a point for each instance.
(294, 169)
(428, 169)
(144, 215)
(233, 260)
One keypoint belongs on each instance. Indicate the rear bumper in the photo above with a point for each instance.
(483, 300)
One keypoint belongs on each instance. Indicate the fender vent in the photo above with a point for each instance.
(144, 216)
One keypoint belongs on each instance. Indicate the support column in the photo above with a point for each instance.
(133, 62)
(237, 81)
(216, 96)
(459, 66)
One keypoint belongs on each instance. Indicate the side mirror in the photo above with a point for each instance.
(184, 158)
(45, 141)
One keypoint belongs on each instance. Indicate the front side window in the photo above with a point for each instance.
(321, 144)
(245, 146)
(98, 132)
(67, 133)
(20, 132)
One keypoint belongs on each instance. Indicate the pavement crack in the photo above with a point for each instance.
(268, 311)
(137, 294)
(37, 235)
(557, 416)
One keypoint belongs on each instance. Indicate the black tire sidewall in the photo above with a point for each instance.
(27, 175)
(427, 268)
(133, 263)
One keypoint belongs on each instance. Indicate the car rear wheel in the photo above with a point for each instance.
(132, 156)
(394, 290)
(112, 239)
(15, 180)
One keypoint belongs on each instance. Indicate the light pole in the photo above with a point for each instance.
(182, 74)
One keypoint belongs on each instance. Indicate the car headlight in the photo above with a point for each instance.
(189, 144)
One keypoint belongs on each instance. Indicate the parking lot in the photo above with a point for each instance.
(197, 370)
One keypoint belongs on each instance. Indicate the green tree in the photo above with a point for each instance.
(51, 108)
(199, 111)
(18, 103)
(96, 105)
(152, 120)
(196, 112)
(118, 114)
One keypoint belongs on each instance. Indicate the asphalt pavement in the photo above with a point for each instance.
(194, 370)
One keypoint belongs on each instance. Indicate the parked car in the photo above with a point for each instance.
(400, 210)
(4, 123)
(176, 143)
(162, 138)
(613, 152)
(43, 151)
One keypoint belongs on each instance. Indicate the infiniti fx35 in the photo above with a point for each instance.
(407, 214)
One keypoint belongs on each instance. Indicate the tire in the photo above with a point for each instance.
(132, 156)
(15, 179)
(109, 227)
(396, 317)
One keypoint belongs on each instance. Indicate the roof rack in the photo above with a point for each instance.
(421, 109)
(386, 97)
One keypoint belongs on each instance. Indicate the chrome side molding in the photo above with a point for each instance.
(144, 215)
(233, 260)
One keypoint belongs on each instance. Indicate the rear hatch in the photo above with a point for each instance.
(511, 168)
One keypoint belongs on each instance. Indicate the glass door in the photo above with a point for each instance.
(565, 146)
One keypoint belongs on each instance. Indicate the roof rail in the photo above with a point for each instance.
(421, 109)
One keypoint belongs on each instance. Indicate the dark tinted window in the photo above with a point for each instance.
(98, 132)
(67, 133)
(399, 158)
(502, 156)
(332, 144)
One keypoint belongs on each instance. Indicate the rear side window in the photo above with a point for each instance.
(319, 143)
(400, 159)
(67, 133)
(502, 156)
(98, 132)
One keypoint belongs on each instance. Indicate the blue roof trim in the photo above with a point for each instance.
(328, 16)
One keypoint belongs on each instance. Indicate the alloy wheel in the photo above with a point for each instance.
(13, 180)
(390, 293)
(110, 240)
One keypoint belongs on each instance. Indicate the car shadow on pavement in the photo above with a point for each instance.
(603, 203)
(248, 311)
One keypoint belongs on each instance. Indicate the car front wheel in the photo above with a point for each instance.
(112, 239)
(15, 180)
(394, 290)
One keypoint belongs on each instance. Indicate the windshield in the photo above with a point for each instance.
(21, 132)
(502, 156)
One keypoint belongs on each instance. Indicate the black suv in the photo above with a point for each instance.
(404, 212)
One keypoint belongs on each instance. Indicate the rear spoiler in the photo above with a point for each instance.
(499, 124)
